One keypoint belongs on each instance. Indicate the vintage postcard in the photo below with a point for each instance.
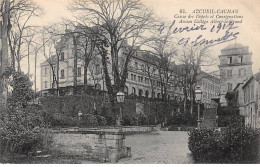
(129, 82)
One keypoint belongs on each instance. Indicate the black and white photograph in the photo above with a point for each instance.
(129, 82)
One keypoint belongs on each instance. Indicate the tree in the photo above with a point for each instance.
(21, 12)
(116, 21)
(162, 46)
(191, 60)
(87, 49)
(4, 30)
(22, 91)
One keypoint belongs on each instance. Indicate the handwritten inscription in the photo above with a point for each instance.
(229, 30)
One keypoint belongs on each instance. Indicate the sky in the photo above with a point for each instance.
(249, 29)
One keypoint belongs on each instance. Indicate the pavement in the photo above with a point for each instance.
(159, 147)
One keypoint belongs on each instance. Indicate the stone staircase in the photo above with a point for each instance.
(209, 120)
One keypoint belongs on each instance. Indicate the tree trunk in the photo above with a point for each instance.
(28, 54)
(35, 65)
(86, 74)
(191, 99)
(4, 53)
(108, 80)
(75, 63)
(57, 73)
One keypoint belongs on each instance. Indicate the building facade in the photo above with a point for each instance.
(235, 67)
(143, 77)
(210, 87)
(252, 101)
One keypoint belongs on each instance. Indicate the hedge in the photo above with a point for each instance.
(155, 111)
(236, 145)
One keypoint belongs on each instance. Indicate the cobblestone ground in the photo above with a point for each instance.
(160, 147)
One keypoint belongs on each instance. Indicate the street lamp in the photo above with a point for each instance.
(198, 96)
(79, 115)
(120, 96)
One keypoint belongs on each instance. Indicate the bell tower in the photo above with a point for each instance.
(235, 67)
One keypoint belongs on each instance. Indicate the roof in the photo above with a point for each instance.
(255, 76)
(234, 46)
(147, 56)
(237, 86)
(53, 59)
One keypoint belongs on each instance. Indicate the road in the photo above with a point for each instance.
(159, 147)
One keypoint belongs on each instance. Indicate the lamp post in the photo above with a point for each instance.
(79, 115)
(198, 96)
(120, 96)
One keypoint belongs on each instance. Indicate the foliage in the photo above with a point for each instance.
(181, 118)
(128, 120)
(236, 145)
(22, 90)
(101, 120)
(88, 120)
(227, 115)
(136, 119)
(59, 120)
(22, 132)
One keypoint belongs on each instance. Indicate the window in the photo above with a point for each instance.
(45, 70)
(240, 72)
(97, 69)
(46, 84)
(79, 71)
(126, 90)
(136, 65)
(142, 79)
(252, 92)
(229, 86)
(62, 73)
(142, 68)
(132, 77)
(241, 59)
(139, 79)
(229, 74)
(146, 80)
(229, 60)
(62, 56)
(244, 72)
(133, 90)
(223, 74)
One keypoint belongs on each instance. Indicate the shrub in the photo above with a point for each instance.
(180, 118)
(142, 120)
(101, 120)
(238, 144)
(59, 120)
(22, 91)
(22, 132)
(88, 120)
(128, 120)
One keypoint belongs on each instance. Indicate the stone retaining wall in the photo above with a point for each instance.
(104, 146)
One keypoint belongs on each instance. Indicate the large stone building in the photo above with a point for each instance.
(142, 80)
(235, 68)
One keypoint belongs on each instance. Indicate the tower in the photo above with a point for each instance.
(235, 67)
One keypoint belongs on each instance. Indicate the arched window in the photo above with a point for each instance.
(158, 95)
(140, 92)
(97, 86)
(146, 93)
(126, 90)
(133, 91)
